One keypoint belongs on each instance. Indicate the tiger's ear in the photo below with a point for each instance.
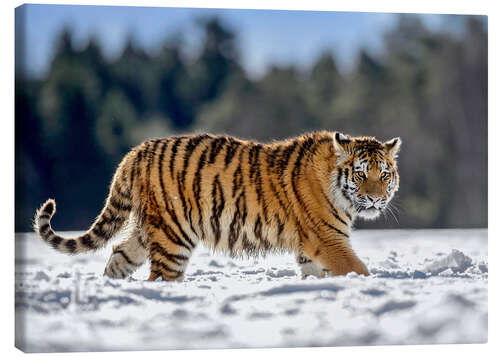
(341, 144)
(392, 147)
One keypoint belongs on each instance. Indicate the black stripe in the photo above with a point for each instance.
(176, 144)
(71, 245)
(197, 178)
(157, 247)
(258, 233)
(125, 195)
(174, 258)
(282, 165)
(44, 216)
(159, 223)
(334, 228)
(231, 151)
(155, 273)
(173, 237)
(151, 157)
(216, 148)
(44, 229)
(104, 219)
(197, 189)
(137, 166)
(260, 198)
(160, 169)
(335, 214)
(244, 214)
(200, 224)
(271, 160)
(334, 244)
(332, 209)
(187, 217)
(277, 195)
(119, 206)
(340, 174)
(87, 241)
(125, 256)
(253, 157)
(218, 203)
(140, 239)
(237, 179)
(101, 232)
(248, 246)
(281, 227)
(297, 168)
(165, 267)
(132, 171)
(191, 145)
(235, 226)
(174, 218)
(339, 178)
(107, 215)
(55, 241)
(300, 230)
(328, 139)
(285, 157)
(190, 211)
(255, 177)
(184, 235)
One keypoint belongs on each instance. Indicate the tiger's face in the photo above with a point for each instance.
(365, 178)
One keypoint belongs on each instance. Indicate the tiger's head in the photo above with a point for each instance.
(365, 178)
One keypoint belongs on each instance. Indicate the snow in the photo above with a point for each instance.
(426, 287)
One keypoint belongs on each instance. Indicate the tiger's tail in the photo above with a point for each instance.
(112, 218)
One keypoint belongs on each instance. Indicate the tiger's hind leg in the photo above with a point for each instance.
(127, 256)
(309, 267)
(169, 252)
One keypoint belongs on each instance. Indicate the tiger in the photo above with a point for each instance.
(241, 197)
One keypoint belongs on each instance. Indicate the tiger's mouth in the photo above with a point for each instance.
(370, 213)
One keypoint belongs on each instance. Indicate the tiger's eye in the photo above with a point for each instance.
(361, 175)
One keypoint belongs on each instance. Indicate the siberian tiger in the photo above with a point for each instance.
(245, 198)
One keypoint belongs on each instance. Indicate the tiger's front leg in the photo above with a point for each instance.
(338, 259)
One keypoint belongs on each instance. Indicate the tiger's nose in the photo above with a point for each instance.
(374, 199)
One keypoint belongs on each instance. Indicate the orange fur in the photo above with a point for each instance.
(232, 195)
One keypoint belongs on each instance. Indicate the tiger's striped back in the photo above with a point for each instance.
(233, 195)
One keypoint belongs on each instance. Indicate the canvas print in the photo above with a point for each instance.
(248, 178)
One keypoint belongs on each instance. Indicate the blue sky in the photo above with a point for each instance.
(264, 37)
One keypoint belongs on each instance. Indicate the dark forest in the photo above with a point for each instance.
(430, 88)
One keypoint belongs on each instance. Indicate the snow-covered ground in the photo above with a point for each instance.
(427, 286)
